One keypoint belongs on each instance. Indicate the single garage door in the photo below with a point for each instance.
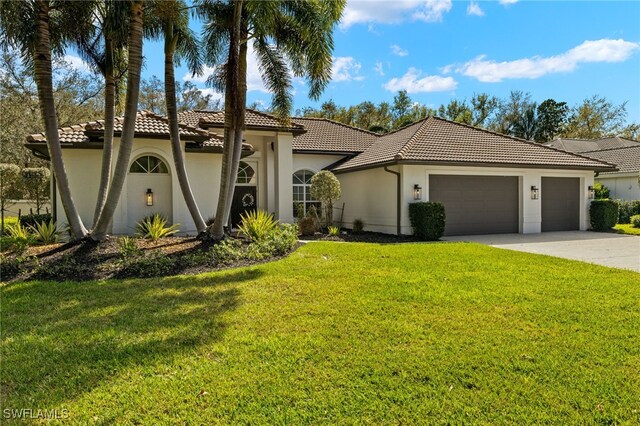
(477, 204)
(560, 204)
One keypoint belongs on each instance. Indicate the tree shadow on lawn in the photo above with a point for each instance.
(61, 340)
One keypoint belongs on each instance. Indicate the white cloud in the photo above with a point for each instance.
(507, 2)
(379, 68)
(215, 95)
(414, 82)
(77, 63)
(393, 12)
(604, 50)
(398, 51)
(345, 68)
(474, 9)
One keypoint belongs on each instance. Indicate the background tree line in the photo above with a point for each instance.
(516, 115)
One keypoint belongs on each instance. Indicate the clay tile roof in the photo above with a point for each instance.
(254, 120)
(626, 159)
(589, 145)
(147, 124)
(438, 141)
(328, 135)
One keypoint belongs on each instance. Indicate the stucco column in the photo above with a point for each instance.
(531, 210)
(585, 182)
(283, 156)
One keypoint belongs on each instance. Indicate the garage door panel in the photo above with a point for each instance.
(560, 204)
(477, 204)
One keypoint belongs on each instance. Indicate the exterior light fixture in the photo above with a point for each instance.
(592, 193)
(534, 192)
(149, 195)
(417, 192)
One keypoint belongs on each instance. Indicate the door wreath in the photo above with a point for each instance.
(248, 200)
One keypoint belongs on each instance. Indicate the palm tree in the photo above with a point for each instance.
(170, 20)
(103, 48)
(289, 38)
(134, 48)
(36, 27)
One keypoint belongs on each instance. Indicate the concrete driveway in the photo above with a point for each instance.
(614, 250)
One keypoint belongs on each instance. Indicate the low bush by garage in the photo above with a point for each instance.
(604, 214)
(427, 220)
(626, 209)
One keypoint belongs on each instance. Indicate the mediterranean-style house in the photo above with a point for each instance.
(488, 182)
(623, 183)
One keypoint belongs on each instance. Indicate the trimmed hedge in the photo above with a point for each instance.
(604, 214)
(626, 209)
(635, 220)
(33, 219)
(427, 220)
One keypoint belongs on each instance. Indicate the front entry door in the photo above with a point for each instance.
(244, 200)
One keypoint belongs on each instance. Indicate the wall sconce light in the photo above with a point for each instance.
(417, 192)
(149, 195)
(592, 193)
(535, 193)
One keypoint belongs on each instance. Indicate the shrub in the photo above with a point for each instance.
(601, 191)
(128, 248)
(427, 220)
(19, 237)
(10, 267)
(279, 242)
(358, 226)
(325, 187)
(257, 224)
(45, 232)
(604, 214)
(36, 185)
(65, 267)
(334, 231)
(635, 220)
(626, 209)
(33, 219)
(307, 225)
(155, 227)
(226, 251)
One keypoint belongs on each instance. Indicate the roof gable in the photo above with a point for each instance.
(626, 159)
(328, 135)
(589, 145)
(254, 120)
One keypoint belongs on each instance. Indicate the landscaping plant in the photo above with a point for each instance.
(334, 231)
(257, 224)
(325, 187)
(45, 232)
(155, 227)
(427, 220)
(19, 237)
(604, 214)
(626, 209)
(635, 221)
(358, 226)
(128, 247)
(601, 191)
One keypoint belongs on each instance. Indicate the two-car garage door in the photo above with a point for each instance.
(477, 204)
(489, 204)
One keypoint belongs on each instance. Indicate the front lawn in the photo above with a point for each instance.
(341, 333)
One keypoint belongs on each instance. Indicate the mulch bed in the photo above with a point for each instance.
(89, 260)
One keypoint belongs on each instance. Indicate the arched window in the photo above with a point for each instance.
(245, 173)
(148, 164)
(302, 199)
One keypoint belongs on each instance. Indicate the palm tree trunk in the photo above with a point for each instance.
(128, 129)
(109, 117)
(43, 76)
(239, 121)
(174, 131)
(216, 231)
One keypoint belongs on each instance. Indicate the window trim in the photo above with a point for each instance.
(152, 172)
(306, 191)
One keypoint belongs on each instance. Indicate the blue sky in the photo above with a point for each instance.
(439, 50)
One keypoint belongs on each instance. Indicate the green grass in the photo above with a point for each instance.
(446, 333)
(627, 229)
